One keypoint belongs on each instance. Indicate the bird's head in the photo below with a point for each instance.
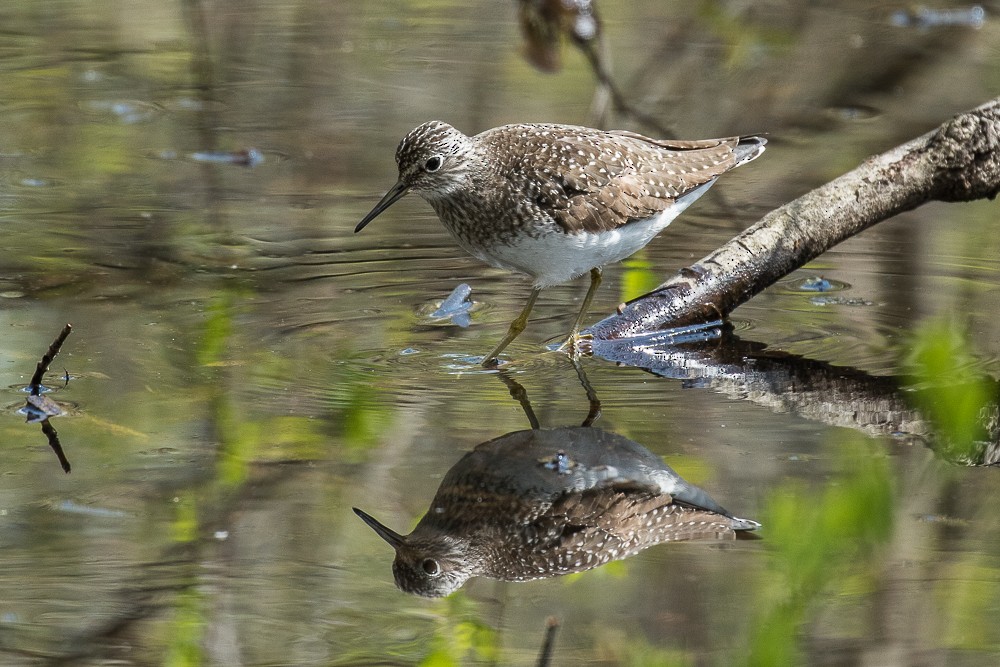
(428, 566)
(433, 161)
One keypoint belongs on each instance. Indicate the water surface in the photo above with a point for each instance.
(244, 369)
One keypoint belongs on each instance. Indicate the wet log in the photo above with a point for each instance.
(959, 161)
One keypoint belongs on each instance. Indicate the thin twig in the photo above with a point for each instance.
(35, 386)
(545, 655)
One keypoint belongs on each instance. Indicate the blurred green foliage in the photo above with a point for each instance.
(819, 539)
(460, 636)
(947, 386)
(639, 276)
(185, 631)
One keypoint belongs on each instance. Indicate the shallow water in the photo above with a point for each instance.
(244, 369)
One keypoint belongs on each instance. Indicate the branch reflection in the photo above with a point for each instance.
(816, 390)
(546, 502)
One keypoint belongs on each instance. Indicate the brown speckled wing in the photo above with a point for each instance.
(581, 531)
(639, 518)
(598, 181)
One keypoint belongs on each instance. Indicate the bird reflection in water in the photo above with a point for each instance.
(545, 502)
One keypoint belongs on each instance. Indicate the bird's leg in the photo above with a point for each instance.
(595, 282)
(516, 327)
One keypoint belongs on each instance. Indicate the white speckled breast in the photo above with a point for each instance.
(558, 256)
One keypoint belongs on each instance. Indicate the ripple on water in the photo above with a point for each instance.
(124, 111)
(811, 285)
(431, 361)
(420, 266)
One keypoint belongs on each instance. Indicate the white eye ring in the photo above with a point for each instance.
(431, 567)
(433, 163)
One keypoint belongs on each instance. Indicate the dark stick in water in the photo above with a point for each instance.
(43, 365)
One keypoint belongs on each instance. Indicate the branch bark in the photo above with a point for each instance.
(959, 161)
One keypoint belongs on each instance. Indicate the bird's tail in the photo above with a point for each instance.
(744, 524)
(749, 148)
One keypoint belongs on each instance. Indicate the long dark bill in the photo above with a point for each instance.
(390, 198)
(387, 534)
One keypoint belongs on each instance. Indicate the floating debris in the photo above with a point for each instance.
(72, 507)
(818, 284)
(39, 408)
(839, 301)
(942, 519)
(925, 18)
(249, 157)
(456, 307)
(126, 111)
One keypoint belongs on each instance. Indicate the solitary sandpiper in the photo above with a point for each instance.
(556, 201)
(546, 502)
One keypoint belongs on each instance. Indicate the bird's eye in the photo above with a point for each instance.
(433, 163)
(431, 567)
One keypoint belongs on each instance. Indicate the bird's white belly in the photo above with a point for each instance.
(557, 257)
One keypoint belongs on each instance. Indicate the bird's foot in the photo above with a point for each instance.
(492, 362)
(577, 345)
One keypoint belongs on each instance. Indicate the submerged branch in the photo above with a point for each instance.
(959, 161)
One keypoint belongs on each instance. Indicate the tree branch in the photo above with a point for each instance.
(959, 161)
